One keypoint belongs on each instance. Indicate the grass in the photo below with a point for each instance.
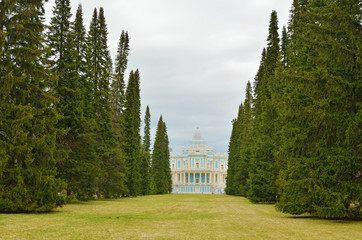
(173, 217)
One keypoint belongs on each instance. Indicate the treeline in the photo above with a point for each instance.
(69, 122)
(296, 140)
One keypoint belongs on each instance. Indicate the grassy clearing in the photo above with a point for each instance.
(173, 217)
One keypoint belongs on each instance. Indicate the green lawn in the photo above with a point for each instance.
(173, 217)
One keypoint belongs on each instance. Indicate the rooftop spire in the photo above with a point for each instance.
(197, 137)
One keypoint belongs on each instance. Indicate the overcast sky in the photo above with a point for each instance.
(194, 57)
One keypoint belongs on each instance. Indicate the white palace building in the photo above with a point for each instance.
(198, 169)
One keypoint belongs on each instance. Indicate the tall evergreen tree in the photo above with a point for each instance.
(81, 168)
(263, 169)
(99, 61)
(63, 64)
(132, 139)
(234, 154)
(117, 98)
(284, 47)
(64, 60)
(322, 111)
(244, 143)
(166, 162)
(28, 149)
(118, 83)
(239, 148)
(161, 172)
(146, 155)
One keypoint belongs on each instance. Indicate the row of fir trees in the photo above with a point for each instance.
(69, 124)
(296, 140)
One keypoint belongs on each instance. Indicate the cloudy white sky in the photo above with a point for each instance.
(194, 56)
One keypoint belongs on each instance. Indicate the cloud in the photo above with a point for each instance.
(194, 57)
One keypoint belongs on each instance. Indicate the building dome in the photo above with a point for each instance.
(197, 137)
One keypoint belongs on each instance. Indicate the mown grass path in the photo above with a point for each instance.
(173, 217)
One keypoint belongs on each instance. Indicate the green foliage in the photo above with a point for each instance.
(322, 112)
(117, 92)
(305, 138)
(28, 149)
(65, 58)
(263, 168)
(132, 139)
(146, 155)
(118, 83)
(62, 126)
(160, 169)
(239, 148)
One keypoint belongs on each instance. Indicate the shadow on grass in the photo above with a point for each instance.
(335, 220)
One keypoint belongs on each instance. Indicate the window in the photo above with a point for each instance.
(197, 165)
(222, 167)
(197, 180)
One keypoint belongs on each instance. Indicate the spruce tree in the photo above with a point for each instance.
(117, 98)
(244, 144)
(284, 47)
(229, 189)
(166, 162)
(118, 83)
(111, 174)
(239, 148)
(322, 111)
(161, 172)
(81, 168)
(263, 169)
(131, 142)
(234, 154)
(146, 155)
(28, 120)
(64, 61)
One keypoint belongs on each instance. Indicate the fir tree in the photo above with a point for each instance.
(166, 162)
(28, 149)
(146, 155)
(118, 83)
(263, 169)
(109, 157)
(234, 154)
(284, 47)
(64, 59)
(244, 143)
(117, 98)
(321, 111)
(131, 142)
(161, 172)
(63, 64)
(239, 148)
(81, 167)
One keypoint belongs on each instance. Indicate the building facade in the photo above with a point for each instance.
(198, 169)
